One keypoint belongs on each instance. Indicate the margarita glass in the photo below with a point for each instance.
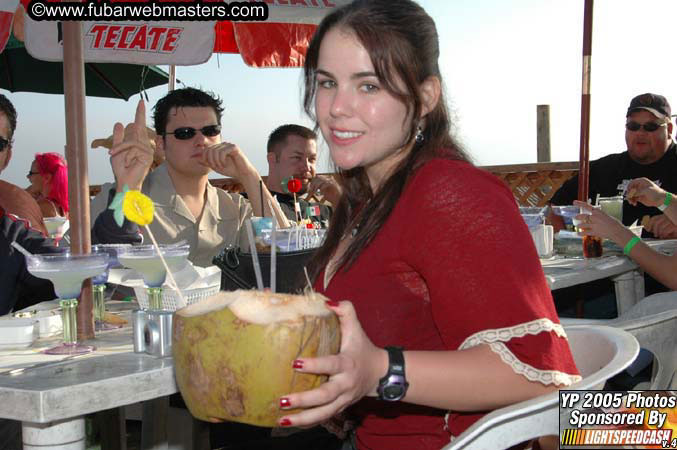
(99, 284)
(56, 227)
(145, 259)
(67, 272)
(568, 213)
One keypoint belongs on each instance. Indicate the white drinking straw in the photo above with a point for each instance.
(273, 254)
(310, 285)
(255, 255)
(25, 252)
(172, 282)
(272, 211)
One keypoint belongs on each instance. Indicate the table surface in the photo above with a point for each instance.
(565, 272)
(561, 272)
(111, 376)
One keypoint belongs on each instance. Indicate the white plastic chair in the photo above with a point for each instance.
(653, 321)
(599, 352)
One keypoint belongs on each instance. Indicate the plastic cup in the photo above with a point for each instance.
(612, 206)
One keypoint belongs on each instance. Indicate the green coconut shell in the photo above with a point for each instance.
(232, 369)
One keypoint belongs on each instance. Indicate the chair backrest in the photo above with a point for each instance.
(600, 353)
(653, 322)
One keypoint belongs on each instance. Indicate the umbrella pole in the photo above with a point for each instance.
(584, 158)
(172, 77)
(76, 156)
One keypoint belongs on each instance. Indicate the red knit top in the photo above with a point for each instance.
(454, 266)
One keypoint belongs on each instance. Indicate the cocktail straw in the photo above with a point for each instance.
(255, 255)
(310, 285)
(272, 210)
(172, 282)
(182, 301)
(263, 211)
(273, 254)
(25, 252)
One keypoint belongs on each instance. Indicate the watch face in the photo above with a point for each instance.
(393, 389)
(393, 392)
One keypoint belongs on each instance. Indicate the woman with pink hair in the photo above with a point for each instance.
(49, 184)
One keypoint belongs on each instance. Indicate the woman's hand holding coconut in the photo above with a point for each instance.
(353, 373)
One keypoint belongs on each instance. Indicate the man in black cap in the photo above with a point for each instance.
(651, 154)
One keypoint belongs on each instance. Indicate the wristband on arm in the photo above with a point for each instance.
(666, 202)
(631, 243)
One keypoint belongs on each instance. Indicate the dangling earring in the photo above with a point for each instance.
(419, 134)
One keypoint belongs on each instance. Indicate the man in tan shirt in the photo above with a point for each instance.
(187, 207)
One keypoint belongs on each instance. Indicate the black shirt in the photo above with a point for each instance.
(607, 173)
(18, 288)
(286, 202)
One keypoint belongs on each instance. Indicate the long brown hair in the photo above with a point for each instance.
(402, 42)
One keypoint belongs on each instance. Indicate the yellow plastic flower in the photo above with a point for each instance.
(138, 207)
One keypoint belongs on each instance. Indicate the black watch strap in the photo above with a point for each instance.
(393, 386)
(395, 361)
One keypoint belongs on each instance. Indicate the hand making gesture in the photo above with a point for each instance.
(131, 153)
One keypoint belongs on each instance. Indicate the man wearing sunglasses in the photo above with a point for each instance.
(292, 152)
(651, 153)
(187, 207)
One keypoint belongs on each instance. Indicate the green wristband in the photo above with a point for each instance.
(631, 243)
(668, 199)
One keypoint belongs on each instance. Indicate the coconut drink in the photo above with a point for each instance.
(233, 352)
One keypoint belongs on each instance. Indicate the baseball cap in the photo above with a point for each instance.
(654, 103)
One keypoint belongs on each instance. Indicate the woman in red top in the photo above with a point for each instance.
(49, 184)
(424, 252)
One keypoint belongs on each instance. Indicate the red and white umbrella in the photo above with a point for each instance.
(280, 41)
(7, 9)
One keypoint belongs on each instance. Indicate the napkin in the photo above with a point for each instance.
(189, 277)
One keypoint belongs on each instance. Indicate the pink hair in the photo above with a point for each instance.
(55, 165)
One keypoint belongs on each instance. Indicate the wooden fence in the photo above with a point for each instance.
(532, 184)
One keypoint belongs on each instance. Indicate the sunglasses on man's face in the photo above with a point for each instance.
(185, 133)
(4, 143)
(649, 126)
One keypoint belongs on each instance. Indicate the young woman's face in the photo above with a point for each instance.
(36, 180)
(363, 124)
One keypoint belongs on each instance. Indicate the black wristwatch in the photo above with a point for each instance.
(393, 386)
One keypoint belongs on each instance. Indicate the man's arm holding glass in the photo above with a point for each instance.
(663, 226)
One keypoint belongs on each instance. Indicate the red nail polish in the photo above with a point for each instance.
(285, 403)
(285, 422)
(298, 364)
(332, 303)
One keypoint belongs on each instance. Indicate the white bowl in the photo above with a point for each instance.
(49, 323)
(18, 333)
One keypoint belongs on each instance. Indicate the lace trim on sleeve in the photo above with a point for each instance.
(496, 339)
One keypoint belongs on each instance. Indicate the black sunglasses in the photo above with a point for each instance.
(31, 173)
(4, 143)
(185, 133)
(649, 126)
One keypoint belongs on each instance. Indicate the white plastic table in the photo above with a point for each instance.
(627, 276)
(52, 400)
